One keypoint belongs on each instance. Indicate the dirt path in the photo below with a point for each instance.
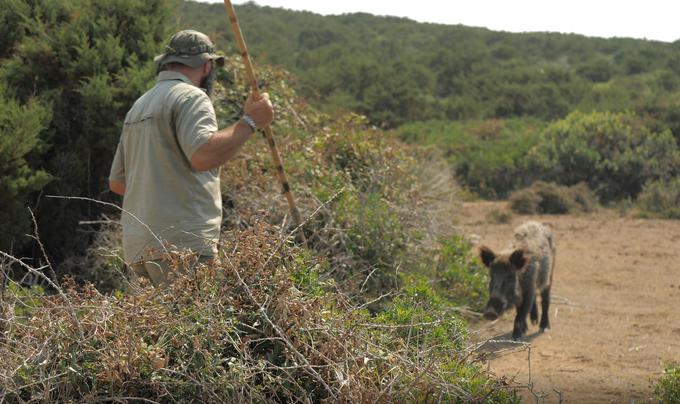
(615, 315)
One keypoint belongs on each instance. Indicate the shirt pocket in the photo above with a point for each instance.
(135, 123)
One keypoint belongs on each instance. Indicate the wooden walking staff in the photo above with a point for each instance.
(250, 75)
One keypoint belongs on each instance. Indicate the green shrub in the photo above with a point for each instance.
(387, 214)
(376, 239)
(551, 198)
(102, 265)
(667, 389)
(612, 152)
(461, 278)
(661, 199)
(421, 319)
(488, 157)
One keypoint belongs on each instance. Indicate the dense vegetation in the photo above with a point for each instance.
(69, 72)
(615, 154)
(506, 109)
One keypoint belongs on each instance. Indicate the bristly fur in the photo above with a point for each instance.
(521, 272)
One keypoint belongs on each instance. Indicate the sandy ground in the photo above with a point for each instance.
(615, 312)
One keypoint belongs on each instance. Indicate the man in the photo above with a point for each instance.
(167, 163)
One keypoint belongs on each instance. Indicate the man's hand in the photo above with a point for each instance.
(117, 187)
(260, 110)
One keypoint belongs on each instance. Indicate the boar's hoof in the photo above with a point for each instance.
(490, 315)
(517, 335)
(519, 330)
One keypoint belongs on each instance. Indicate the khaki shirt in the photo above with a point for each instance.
(174, 206)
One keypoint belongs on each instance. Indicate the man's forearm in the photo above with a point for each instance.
(222, 146)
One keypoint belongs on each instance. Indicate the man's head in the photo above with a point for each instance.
(196, 52)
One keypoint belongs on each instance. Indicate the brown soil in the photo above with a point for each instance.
(614, 314)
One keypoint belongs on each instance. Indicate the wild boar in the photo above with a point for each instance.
(519, 273)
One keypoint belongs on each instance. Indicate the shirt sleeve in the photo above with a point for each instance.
(118, 165)
(196, 122)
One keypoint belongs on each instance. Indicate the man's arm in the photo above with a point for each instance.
(224, 144)
(221, 147)
(117, 187)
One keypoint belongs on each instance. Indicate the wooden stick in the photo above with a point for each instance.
(252, 80)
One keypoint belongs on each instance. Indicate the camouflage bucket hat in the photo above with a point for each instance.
(191, 48)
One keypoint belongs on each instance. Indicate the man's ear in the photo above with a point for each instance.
(486, 255)
(519, 258)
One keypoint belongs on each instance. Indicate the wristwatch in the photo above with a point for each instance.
(250, 122)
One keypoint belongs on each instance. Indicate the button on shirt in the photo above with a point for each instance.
(168, 204)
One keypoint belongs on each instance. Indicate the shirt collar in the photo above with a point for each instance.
(171, 75)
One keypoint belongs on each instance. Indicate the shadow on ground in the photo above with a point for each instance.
(503, 343)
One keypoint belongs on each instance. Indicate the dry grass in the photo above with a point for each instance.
(248, 327)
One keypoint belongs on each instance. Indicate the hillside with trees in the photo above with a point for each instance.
(506, 109)
(395, 70)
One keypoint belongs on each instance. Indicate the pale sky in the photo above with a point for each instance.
(642, 19)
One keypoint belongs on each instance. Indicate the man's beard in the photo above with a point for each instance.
(208, 82)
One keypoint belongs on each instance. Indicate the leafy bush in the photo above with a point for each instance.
(419, 317)
(102, 265)
(375, 238)
(611, 152)
(667, 389)
(460, 276)
(551, 198)
(661, 199)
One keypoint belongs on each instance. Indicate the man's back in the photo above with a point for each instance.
(179, 204)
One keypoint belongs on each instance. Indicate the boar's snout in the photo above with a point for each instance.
(493, 309)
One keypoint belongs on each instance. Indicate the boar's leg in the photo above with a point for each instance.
(545, 305)
(520, 327)
(534, 313)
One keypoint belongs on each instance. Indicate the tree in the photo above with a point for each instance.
(20, 128)
(87, 60)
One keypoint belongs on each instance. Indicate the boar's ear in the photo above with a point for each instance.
(519, 258)
(486, 255)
